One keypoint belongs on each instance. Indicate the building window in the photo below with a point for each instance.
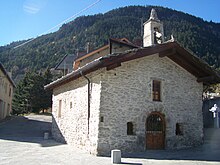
(9, 91)
(156, 90)
(6, 85)
(130, 128)
(71, 104)
(179, 129)
(60, 107)
(102, 119)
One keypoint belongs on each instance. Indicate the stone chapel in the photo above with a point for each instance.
(132, 98)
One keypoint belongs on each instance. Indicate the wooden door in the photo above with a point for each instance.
(155, 131)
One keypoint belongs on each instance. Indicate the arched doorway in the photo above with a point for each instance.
(155, 131)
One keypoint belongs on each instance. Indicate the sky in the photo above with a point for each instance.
(25, 19)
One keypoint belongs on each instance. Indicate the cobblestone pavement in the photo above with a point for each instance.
(21, 142)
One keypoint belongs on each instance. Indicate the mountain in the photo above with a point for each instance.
(200, 36)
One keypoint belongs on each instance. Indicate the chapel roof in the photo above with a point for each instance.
(173, 50)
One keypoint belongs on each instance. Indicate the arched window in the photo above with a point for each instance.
(130, 129)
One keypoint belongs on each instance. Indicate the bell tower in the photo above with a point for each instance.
(153, 30)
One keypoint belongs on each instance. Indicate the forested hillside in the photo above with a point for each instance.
(200, 36)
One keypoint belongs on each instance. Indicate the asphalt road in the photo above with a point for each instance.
(21, 142)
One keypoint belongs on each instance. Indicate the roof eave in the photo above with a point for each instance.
(7, 76)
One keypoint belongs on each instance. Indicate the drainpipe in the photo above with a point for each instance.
(89, 82)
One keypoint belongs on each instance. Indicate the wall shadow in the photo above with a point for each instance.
(25, 129)
(193, 154)
(57, 134)
(208, 151)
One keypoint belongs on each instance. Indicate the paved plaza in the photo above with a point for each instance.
(21, 142)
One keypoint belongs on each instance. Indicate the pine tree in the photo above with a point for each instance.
(30, 95)
(22, 95)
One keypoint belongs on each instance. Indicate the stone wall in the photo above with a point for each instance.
(126, 96)
(71, 124)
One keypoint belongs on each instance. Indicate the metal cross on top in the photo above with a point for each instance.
(215, 110)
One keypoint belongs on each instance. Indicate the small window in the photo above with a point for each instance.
(102, 119)
(71, 104)
(179, 129)
(156, 90)
(130, 129)
(60, 107)
(9, 91)
(6, 86)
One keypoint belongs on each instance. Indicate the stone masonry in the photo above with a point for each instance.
(72, 124)
(122, 95)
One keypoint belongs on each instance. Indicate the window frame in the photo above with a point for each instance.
(102, 119)
(156, 90)
(9, 92)
(179, 131)
(130, 128)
